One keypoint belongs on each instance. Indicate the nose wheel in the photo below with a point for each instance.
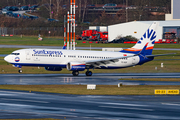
(88, 73)
(20, 70)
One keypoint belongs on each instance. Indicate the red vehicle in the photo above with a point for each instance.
(104, 36)
(86, 34)
(99, 36)
(170, 37)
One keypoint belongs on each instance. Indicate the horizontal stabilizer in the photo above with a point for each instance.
(148, 56)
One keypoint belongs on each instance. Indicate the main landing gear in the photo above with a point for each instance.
(88, 73)
(76, 73)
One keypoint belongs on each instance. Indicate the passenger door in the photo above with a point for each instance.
(28, 57)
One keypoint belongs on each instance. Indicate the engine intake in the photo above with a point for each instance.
(53, 68)
(75, 66)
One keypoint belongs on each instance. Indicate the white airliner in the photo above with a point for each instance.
(80, 60)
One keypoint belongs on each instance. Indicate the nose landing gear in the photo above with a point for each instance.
(20, 70)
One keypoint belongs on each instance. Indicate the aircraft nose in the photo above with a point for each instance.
(6, 58)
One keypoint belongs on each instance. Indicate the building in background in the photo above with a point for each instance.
(174, 11)
(137, 28)
(99, 28)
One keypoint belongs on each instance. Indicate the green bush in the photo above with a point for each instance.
(131, 38)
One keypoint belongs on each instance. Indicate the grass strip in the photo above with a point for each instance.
(58, 41)
(100, 89)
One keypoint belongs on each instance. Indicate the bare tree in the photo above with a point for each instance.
(80, 3)
(24, 2)
(84, 11)
(50, 9)
(48, 6)
(16, 2)
(57, 7)
(141, 4)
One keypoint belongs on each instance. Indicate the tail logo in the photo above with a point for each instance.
(149, 34)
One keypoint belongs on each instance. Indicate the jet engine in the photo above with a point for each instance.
(76, 66)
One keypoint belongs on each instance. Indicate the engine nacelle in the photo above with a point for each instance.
(76, 66)
(53, 68)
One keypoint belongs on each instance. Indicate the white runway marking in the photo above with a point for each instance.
(171, 104)
(24, 100)
(128, 108)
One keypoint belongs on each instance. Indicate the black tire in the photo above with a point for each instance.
(88, 73)
(75, 73)
(20, 71)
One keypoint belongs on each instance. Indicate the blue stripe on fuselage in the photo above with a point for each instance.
(40, 65)
(144, 59)
(62, 65)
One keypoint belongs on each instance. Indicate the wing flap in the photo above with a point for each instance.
(104, 62)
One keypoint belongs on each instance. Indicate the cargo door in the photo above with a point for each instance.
(133, 60)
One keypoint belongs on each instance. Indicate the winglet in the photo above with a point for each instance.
(64, 47)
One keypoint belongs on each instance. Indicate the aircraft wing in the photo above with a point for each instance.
(97, 63)
(148, 56)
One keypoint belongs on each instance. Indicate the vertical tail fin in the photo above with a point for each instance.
(143, 51)
(148, 38)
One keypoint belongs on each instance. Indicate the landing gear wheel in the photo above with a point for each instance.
(75, 73)
(20, 71)
(88, 73)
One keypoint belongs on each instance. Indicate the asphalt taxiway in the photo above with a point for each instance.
(96, 78)
(19, 104)
(26, 105)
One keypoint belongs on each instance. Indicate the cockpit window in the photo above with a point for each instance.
(15, 53)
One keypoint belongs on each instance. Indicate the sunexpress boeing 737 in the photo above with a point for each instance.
(80, 60)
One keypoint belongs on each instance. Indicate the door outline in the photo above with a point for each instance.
(28, 55)
(133, 60)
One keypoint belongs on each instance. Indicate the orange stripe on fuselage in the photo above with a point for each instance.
(132, 49)
(135, 50)
(150, 48)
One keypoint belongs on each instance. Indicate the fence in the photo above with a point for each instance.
(54, 31)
